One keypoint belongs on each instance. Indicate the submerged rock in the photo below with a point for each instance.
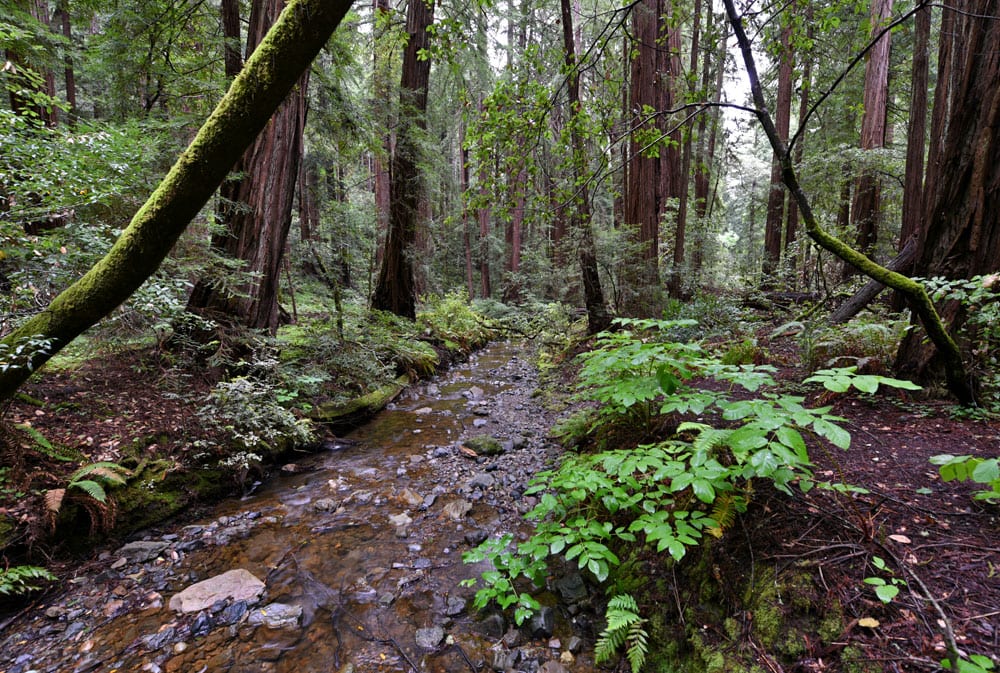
(237, 585)
(430, 637)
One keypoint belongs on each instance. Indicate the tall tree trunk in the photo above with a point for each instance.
(916, 135)
(776, 195)
(259, 215)
(644, 196)
(69, 74)
(703, 193)
(242, 113)
(394, 290)
(674, 282)
(380, 94)
(42, 85)
(597, 314)
(792, 220)
(866, 209)
(962, 234)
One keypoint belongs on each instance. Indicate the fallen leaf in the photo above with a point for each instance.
(901, 539)
(868, 622)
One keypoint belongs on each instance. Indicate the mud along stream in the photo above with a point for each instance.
(352, 564)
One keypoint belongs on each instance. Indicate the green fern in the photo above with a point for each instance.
(625, 629)
(111, 474)
(22, 579)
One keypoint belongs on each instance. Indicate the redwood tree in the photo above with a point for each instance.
(866, 208)
(961, 236)
(579, 217)
(394, 289)
(258, 205)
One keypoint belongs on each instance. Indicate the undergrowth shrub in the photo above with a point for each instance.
(248, 410)
(869, 340)
(980, 332)
(669, 494)
(454, 321)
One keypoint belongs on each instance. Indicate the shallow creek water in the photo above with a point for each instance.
(364, 544)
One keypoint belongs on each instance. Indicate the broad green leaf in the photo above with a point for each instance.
(834, 433)
(886, 592)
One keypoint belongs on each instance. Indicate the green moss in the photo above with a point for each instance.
(853, 660)
(359, 408)
(485, 445)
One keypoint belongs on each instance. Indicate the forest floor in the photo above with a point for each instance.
(936, 541)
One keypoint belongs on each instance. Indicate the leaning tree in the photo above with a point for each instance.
(293, 42)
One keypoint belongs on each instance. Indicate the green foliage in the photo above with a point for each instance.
(666, 495)
(625, 628)
(842, 379)
(975, 663)
(453, 321)
(21, 352)
(884, 590)
(985, 471)
(980, 330)
(247, 408)
(500, 582)
(868, 339)
(94, 477)
(18, 580)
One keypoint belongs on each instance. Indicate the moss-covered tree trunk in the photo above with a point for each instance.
(959, 382)
(287, 51)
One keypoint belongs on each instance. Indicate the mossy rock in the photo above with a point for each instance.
(484, 445)
(359, 409)
(152, 496)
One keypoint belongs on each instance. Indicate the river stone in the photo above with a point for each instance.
(476, 536)
(430, 637)
(457, 509)
(484, 445)
(411, 497)
(455, 606)
(482, 480)
(276, 616)
(238, 584)
(542, 623)
(138, 552)
(402, 523)
(571, 588)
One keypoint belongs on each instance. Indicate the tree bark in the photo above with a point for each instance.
(959, 383)
(644, 189)
(259, 212)
(866, 208)
(597, 314)
(866, 295)
(395, 289)
(961, 238)
(291, 45)
(776, 195)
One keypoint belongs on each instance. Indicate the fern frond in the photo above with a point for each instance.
(723, 513)
(636, 646)
(54, 498)
(607, 644)
(91, 488)
(113, 473)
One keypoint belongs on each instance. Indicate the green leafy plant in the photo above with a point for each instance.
(92, 480)
(18, 580)
(980, 302)
(886, 590)
(508, 568)
(454, 321)
(625, 628)
(20, 353)
(665, 495)
(984, 471)
(975, 663)
(842, 379)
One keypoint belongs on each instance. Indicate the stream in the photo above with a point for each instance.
(349, 562)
